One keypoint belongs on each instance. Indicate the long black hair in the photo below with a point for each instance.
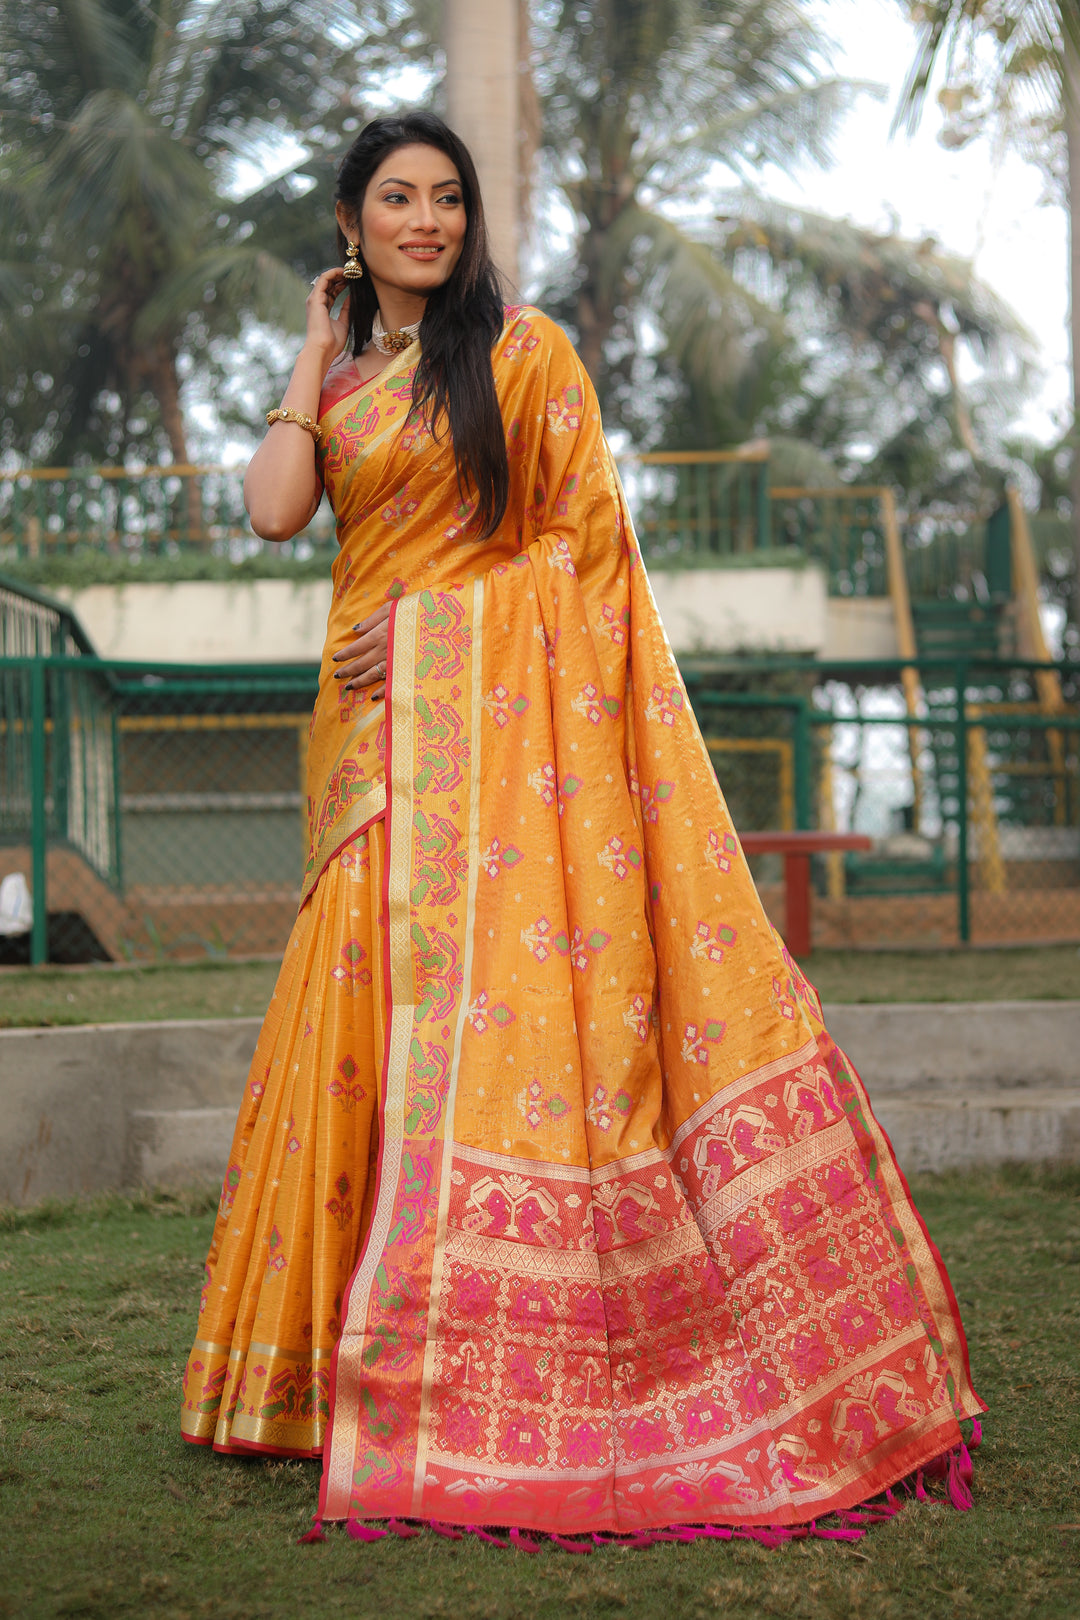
(462, 319)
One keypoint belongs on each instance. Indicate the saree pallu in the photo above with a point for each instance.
(635, 1252)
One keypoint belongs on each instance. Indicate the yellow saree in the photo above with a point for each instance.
(634, 1252)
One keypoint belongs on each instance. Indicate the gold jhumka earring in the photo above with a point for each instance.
(353, 270)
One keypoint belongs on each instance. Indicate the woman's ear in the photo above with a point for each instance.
(345, 218)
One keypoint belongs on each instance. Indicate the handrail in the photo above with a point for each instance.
(171, 470)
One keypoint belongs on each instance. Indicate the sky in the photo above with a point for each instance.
(986, 210)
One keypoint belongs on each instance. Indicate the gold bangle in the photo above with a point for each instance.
(308, 423)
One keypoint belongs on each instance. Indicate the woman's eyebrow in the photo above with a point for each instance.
(391, 180)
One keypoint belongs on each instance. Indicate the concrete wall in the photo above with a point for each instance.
(80, 1108)
(859, 627)
(199, 622)
(113, 1105)
(704, 610)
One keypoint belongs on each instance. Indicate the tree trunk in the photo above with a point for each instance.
(161, 374)
(594, 328)
(961, 414)
(482, 73)
(1071, 107)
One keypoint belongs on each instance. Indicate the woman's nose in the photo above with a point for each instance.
(424, 217)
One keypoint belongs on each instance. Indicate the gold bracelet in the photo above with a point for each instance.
(308, 423)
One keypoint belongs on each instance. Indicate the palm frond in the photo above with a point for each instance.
(783, 128)
(240, 280)
(116, 167)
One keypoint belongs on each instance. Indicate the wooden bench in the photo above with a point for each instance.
(797, 848)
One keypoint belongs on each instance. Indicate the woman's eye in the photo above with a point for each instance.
(395, 196)
(450, 197)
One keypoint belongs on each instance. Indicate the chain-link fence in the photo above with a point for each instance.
(848, 748)
(152, 813)
(159, 813)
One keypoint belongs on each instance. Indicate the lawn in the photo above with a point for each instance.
(97, 995)
(105, 1513)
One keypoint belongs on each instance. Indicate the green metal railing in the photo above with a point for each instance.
(177, 781)
(693, 508)
(165, 806)
(999, 818)
(49, 511)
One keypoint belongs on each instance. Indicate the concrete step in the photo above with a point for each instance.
(965, 1128)
(111, 1105)
(178, 1147)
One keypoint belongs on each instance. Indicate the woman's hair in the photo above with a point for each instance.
(462, 319)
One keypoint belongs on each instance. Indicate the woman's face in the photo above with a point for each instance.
(412, 221)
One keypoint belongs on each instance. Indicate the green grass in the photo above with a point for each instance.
(1020, 973)
(105, 1513)
(117, 995)
(101, 995)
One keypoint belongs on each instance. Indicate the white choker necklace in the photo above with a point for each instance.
(392, 342)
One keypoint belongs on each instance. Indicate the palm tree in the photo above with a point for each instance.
(882, 319)
(124, 249)
(641, 98)
(1012, 67)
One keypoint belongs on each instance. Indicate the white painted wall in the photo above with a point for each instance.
(199, 622)
(860, 627)
(778, 610)
(743, 609)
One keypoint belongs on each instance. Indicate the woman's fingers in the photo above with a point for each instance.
(363, 662)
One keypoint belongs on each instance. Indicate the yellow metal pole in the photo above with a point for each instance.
(905, 633)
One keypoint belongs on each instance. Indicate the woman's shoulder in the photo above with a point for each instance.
(529, 333)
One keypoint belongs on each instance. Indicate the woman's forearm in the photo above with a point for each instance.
(281, 486)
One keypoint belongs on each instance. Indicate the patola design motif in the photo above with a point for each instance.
(637, 1253)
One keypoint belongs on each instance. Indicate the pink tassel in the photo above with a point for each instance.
(398, 1527)
(447, 1530)
(572, 1546)
(764, 1535)
(315, 1534)
(523, 1544)
(485, 1535)
(920, 1489)
(976, 1434)
(822, 1534)
(958, 1481)
(364, 1532)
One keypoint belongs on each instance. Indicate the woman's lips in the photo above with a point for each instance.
(422, 250)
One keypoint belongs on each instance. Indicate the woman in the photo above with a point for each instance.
(551, 1203)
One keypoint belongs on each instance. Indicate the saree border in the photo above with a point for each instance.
(423, 1435)
(401, 628)
(925, 1255)
(349, 834)
(393, 368)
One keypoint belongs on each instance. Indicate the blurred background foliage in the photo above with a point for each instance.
(166, 178)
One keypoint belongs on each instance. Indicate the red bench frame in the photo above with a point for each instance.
(797, 848)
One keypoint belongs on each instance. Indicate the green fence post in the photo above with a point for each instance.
(764, 508)
(39, 931)
(802, 761)
(963, 896)
(117, 816)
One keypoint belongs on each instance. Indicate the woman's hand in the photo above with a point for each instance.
(363, 661)
(327, 332)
